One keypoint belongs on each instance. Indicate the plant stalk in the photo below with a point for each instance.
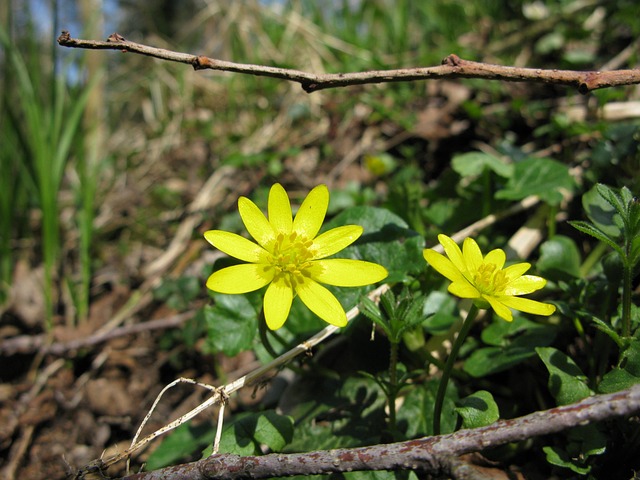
(446, 373)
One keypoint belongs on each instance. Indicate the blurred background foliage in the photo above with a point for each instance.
(106, 156)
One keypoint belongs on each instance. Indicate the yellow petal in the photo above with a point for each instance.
(347, 273)
(463, 289)
(236, 246)
(497, 257)
(472, 255)
(529, 306)
(516, 270)
(312, 212)
(240, 278)
(277, 303)
(524, 284)
(453, 252)
(499, 307)
(334, 240)
(321, 302)
(280, 210)
(443, 265)
(256, 223)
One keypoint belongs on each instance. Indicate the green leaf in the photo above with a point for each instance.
(627, 373)
(181, 443)
(558, 457)
(415, 418)
(616, 380)
(178, 293)
(567, 383)
(335, 413)
(581, 443)
(630, 358)
(439, 314)
(387, 240)
(595, 232)
(478, 410)
(543, 177)
(232, 322)
(516, 342)
(600, 211)
(606, 328)
(472, 164)
(614, 199)
(247, 433)
(559, 259)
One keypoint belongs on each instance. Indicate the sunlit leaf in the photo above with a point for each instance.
(543, 177)
(472, 164)
(232, 322)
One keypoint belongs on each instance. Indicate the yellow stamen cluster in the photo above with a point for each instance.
(490, 279)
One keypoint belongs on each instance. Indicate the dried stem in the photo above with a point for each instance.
(452, 67)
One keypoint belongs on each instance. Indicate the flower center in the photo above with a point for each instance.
(490, 279)
(291, 257)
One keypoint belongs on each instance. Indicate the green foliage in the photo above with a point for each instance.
(178, 293)
(41, 130)
(478, 410)
(510, 344)
(387, 238)
(559, 259)
(249, 433)
(582, 443)
(395, 316)
(626, 373)
(543, 177)
(232, 322)
(617, 226)
(181, 444)
(472, 164)
(567, 383)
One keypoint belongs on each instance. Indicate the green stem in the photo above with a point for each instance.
(446, 373)
(626, 299)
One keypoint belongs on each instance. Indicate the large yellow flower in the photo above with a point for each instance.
(290, 258)
(485, 280)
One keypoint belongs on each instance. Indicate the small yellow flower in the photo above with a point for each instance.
(485, 280)
(290, 258)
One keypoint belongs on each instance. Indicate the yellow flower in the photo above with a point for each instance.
(290, 258)
(485, 280)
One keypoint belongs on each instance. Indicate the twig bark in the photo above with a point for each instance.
(452, 67)
(26, 344)
(433, 455)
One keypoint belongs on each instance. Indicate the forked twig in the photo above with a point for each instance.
(452, 67)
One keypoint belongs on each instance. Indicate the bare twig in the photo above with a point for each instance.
(434, 455)
(37, 343)
(452, 67)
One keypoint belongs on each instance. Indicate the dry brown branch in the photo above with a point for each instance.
(452, 67)
(433, 455)
(26, 344)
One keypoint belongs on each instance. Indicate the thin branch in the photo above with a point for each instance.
(38, 343)
(452, 67)
(433, 455)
